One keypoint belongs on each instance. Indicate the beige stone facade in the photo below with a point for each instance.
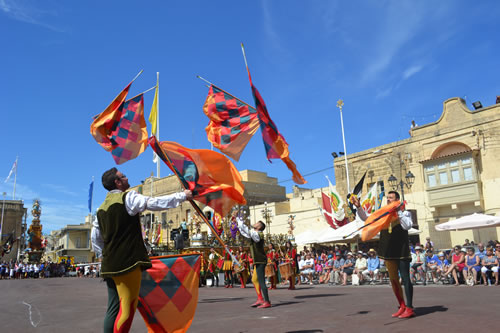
(71, 241)
(14, 223)
(455, 164)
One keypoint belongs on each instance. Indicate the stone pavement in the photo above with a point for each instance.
(78, 305)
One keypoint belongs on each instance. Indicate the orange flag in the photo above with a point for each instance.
(380, 220)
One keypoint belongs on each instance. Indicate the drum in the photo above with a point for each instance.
(239, 269)
(286, 270)
(270, 270)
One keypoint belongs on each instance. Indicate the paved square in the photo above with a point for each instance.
(78, 305)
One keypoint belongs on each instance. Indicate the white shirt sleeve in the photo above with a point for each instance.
(96, 238)
(246, 232)
(137, 203)
(405, 219)
(361, 213)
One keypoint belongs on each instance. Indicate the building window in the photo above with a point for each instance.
(451, 171)
(78, 243)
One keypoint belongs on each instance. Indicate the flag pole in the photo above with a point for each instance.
(15, 180)
(340, 104)
(224, 91)
(158, 121)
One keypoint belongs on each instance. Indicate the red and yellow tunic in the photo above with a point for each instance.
(228, 262)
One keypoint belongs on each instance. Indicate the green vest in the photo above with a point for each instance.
(394, 245)
(124, 248)
(257, 250)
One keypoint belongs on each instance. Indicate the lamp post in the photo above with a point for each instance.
(409, 179)
(266, 214)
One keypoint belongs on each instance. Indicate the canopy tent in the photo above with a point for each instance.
(473, 221)
(310, 236)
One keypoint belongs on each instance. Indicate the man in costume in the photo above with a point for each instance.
(394, 248)
(258, 253)
(117, 235)
(213, 270)
(272, 259)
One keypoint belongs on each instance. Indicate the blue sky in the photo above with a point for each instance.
(62, 62)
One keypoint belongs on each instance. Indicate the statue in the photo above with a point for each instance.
(35, 233)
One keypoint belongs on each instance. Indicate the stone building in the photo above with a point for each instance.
(14, 224)
(454, 164)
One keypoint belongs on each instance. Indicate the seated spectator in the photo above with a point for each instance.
(472, 264)
(337, 269)
(490, 265)
(457, 264)
(347, 268)
(360, 266)
(467, 243)
(481, 251)
(383, 273)
(327, 270)
(373, 266)
(432, 264)
(428, 243)
(417, 265)
(443, 266)
(308, 268)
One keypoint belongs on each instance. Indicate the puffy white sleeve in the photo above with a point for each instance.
(246, 232)
(361, 213)
(405, 219)
(96, 238)
(137, 203)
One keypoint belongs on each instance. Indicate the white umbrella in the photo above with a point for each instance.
(473, 221)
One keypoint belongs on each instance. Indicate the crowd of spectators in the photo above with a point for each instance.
(21, 270)
(469, 264)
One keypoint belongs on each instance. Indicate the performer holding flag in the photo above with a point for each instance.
(256, 236)
(394, 248)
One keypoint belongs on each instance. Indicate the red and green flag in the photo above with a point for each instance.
(232, 123)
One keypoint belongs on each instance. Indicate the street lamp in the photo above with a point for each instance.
(266, 214)
(410, 179)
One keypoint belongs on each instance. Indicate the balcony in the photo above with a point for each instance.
(454, 194)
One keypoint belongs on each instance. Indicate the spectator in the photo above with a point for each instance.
(360, 266)
(301, 261)
(417, 265)
(443, 264)
(481, 251)
(490, 265)
(457, 264)
(338, 263)
(308, 268)
(467, 243)
(472, 265)
(428, 243)
(383, 273)
(373, 266)
(347, 268)
(432, 264)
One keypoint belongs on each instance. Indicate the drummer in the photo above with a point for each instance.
(272, 259)
(291, 257)
(243, 260)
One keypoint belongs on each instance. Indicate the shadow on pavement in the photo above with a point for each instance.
(306, 331)
(422, 311)
(285, 303)
(317, 296)
(359, 313)
(217, 300)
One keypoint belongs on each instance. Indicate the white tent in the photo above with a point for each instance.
(309, 236)
(473, 221)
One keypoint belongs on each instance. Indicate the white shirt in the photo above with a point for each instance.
(302, 262)
(309, 262)
(247, 232)
(136, 203)
(404, 218)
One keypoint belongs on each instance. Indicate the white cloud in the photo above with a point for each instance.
(61, 189)
(409, 72)
(24, 11)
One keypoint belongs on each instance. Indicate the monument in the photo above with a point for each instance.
(35, 234)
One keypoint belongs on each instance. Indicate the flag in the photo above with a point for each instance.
(369, 202)
(232, 123)
(169, 293)
(12, 170)
(91, 192)
(338, 212)
(217, 223)
(274, 143)
(358, 189)
(379, 220)
(327, 211)
(211, 176)
(153, 115)
(106, 122)
(130, 134)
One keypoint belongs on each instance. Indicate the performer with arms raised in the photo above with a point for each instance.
(258, 253)
(394, 248)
